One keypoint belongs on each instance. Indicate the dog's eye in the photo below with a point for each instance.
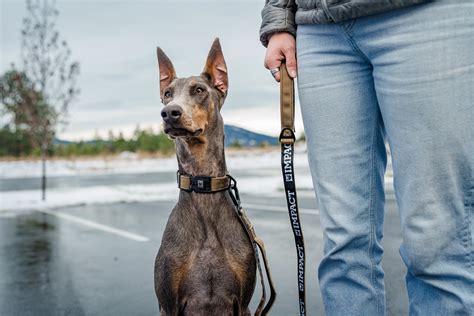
(167, 94)
(199, 90)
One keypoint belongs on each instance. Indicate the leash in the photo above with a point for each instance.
(257, 243)
(204, 184)
(287, 140)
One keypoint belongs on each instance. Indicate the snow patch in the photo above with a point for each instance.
(128, 162)
(266, 180)
(31, 199)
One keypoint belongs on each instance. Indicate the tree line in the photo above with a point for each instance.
(15, 143)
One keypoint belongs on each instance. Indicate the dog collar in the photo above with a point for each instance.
(202, 184)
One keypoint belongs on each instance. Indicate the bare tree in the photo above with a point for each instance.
(47, 65)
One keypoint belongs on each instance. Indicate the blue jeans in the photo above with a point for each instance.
(407, 77)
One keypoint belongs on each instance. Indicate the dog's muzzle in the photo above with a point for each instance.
(177, 131)
(171, 114)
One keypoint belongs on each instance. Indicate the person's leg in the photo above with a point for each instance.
(423, 60)
(347, 158)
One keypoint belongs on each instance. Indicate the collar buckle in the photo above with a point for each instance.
(200, 184)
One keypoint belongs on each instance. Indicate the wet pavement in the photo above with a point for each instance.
(51, 265)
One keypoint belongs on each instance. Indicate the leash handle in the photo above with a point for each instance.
(287, 140)
(287, 106)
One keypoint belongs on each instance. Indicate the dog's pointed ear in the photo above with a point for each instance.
(216, 69)
(167, 73)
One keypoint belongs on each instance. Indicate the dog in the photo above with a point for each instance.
(206, 263)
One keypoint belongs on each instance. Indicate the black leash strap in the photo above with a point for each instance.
(287, 140)
(264, 306)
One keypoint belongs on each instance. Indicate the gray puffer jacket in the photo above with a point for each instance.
(284, 15)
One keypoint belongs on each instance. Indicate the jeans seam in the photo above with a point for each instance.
(467, 233)
(372, 203)
(348, 25)
(345, 32)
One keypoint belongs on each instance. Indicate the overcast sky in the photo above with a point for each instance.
(115, 43)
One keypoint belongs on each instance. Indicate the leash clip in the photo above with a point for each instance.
(234, 192)
(287, 136)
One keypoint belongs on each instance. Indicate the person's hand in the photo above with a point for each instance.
(281, 46)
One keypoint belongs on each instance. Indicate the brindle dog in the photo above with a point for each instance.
(206, 264)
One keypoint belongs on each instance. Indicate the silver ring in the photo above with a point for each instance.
(274, 71)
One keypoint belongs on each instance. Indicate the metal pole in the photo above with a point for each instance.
(43, 168)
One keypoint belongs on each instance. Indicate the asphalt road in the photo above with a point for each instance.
(98, 259)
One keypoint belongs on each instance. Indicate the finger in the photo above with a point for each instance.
(290, 59)
(277, 76)
(274, 61)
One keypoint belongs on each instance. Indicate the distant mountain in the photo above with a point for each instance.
(57, 141)
(233, 135)
(237, 135)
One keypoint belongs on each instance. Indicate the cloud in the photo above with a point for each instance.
(115, 43)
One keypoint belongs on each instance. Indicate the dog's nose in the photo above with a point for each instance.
(171, 113)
